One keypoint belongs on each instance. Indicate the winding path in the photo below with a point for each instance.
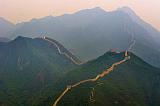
(104, 73)
(101, 75)
(62, 53)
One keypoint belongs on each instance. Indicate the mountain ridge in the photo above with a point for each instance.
(124, 83)
(99, 31)
(32, 74)
(29, 66)
(5, 27)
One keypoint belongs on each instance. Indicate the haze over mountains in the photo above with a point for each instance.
(118, 49)
(90, 33)
(5, 27)
(34, 73)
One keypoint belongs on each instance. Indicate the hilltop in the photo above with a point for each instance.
(133, 83)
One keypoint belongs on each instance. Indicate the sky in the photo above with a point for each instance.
(24, 10)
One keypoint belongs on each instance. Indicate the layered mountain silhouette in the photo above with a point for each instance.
(33, 72)
(5, 27)
(35, 69)
(90, 33)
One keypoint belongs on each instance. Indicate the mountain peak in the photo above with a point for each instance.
(92, 10)
(127, 10)
(21, 39)
(97, 8)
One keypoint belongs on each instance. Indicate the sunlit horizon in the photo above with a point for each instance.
(18, 11)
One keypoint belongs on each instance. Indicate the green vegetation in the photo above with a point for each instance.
(33, 73)
(27, 68)
(134, 83)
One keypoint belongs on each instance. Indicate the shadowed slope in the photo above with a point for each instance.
(27, 68)
(134, 83)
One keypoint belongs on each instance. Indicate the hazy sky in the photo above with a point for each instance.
(23, 10)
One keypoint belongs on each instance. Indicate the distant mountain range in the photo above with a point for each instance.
(5, 27)
(90, 33)
(33, 73)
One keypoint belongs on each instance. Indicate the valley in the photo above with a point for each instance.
(92, 57)
(104, 73)
(41, 61)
